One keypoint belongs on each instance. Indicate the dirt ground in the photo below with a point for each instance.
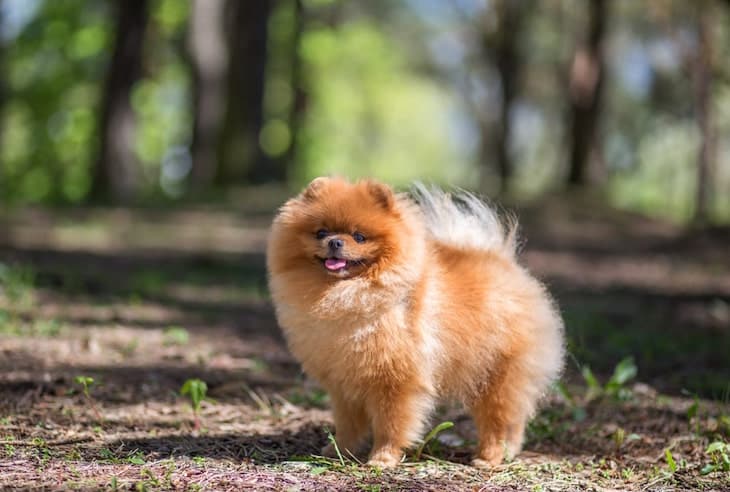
(144, 300)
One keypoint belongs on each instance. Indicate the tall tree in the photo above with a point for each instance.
(703, 104)
(2, 97)
(209, 59)
(586, 81)
(117, 173)
(511, 14)
(241, 157)
(299, 102)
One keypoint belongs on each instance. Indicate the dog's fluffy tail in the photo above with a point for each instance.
(462, 220)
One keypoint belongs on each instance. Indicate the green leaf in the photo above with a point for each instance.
(196, 390)
(709, 468)
(136, 459)
(318, 470)
(84, 380)
(715, 447)
(434, 432)
(670, 461)
(624, 371)
(594, 387)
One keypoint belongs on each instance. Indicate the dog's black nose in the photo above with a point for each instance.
(336, 244)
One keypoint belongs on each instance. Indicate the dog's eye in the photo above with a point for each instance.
(357, 236)
(322, 233)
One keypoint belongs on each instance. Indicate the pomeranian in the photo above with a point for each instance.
(393, 301)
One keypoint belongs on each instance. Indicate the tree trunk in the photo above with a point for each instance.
(703, 101)
(506, 58)
(241, 158)
(117, 173)
(209, 60)
(3, 191)
(299, 103)
(586, 80)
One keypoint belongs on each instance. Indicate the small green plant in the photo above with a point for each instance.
(86, 382)
(195, 390)
(176, 335)
(624, 371)
(620, 438)
(431, 435)
(136, 458)
(671, 464)
(720, 454)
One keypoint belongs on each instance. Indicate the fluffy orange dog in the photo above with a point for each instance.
(392, 302)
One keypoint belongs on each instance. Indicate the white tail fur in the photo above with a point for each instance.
(462, 220)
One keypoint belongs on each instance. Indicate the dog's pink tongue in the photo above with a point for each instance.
(335, 263)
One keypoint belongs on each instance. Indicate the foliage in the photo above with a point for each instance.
(372, 116)
(624, 371)
(196, 390)
(720, 453)
(392, 89)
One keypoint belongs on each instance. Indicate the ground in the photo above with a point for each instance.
(143, 300)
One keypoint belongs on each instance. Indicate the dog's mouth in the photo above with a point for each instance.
(337, 265)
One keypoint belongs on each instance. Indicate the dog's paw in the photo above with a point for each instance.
(489, 457)
(484, 464)
(384, 459)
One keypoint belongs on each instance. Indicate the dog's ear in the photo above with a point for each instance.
(315, 187)
(382, 193)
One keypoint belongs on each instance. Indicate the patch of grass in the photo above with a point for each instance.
(47, 327)
(176, 335)
(314, 398)
(12, 324)
(16, 285)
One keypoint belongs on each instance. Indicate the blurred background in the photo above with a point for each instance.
(145, 145)
(161, 101)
